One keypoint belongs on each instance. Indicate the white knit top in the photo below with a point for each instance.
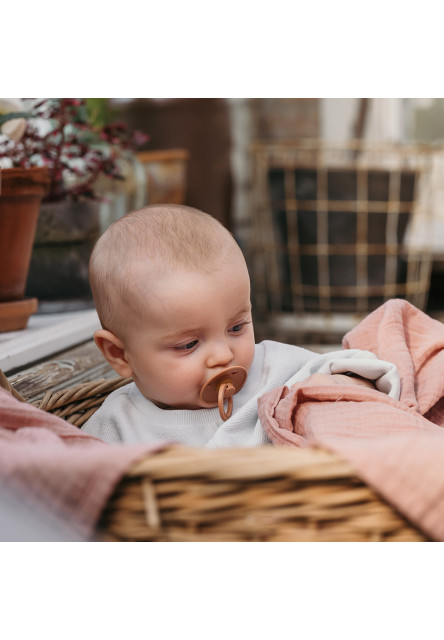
(127, 416)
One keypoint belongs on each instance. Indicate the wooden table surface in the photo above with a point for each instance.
(83, 363)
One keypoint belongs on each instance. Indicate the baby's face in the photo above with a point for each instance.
(194, 325)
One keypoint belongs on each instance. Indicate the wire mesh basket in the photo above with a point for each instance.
(330, 231)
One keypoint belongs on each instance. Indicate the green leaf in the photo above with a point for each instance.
(14, 116)
(98, 111)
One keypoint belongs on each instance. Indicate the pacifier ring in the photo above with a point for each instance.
(222, 387)
(224, 392)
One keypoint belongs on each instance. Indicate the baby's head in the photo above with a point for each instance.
(172, 292)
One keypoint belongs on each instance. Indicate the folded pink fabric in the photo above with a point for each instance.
(56, 469)
(397, 447)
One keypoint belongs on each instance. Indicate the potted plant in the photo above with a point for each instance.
(66, 136)
(21, 192)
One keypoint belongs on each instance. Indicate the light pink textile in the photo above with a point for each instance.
(397, 447)
(56, 468)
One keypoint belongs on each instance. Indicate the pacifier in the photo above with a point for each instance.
(223, 386)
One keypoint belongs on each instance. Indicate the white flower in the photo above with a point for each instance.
(5, 163)
(14, 129)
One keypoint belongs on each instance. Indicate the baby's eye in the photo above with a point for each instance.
(237, 327)
(186, 347)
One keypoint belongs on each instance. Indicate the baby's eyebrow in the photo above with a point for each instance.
(245, 309)
(179, 334)
(191, 331)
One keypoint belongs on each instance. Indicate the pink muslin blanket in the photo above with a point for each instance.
(62, 474)
(397, 447)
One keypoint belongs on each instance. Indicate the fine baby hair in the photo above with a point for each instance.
(157, 238)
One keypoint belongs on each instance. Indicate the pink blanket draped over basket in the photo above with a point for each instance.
(397, 447)
(63, 475)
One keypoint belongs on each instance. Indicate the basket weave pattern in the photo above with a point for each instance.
(77, 405)
(264, 494)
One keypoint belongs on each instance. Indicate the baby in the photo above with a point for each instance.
(172, 291)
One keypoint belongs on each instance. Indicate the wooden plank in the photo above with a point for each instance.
(83, 363)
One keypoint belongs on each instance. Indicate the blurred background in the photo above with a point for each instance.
(336, 202)
(222, 137)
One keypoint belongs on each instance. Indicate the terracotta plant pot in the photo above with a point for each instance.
(21, 193)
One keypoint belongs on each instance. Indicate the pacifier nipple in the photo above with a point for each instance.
(223, 386)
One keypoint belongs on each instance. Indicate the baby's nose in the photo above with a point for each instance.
(220, 354)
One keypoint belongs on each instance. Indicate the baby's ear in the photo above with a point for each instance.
(113, 350)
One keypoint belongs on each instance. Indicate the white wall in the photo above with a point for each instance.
(385, 118)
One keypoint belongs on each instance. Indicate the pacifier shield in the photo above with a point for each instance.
(234, 375)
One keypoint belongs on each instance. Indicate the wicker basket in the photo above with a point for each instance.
(264, 494)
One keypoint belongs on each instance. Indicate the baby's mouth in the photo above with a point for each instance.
(222, 386)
